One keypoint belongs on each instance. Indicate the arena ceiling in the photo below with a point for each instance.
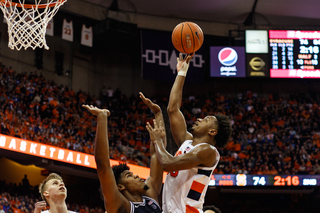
(266, 12)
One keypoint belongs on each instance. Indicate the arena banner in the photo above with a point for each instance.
(159, 58)
(60, 154)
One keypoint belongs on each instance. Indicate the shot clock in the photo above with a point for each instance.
(287, 181)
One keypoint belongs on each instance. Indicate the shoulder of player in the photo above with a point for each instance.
(121, 206)
(207, 154)
(151, 193)
(205, 149)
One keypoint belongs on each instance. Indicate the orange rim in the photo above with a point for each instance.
(10, 3)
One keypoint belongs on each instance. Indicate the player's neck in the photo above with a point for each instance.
(134, 198)
(58, 207)
(202, 139)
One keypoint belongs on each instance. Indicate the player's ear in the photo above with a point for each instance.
(45, 193)
(121, 187)
(213, 132)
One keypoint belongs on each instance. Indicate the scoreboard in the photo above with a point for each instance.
(264, 180)
(294, 54)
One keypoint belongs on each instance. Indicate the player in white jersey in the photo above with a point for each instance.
(191, 168)
(54, 194)
(123, 191)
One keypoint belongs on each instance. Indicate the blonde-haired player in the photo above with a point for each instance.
(54, 194)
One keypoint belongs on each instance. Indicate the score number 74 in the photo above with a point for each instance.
(259, 180)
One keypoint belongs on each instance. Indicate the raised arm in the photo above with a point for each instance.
(177, 122)
(112, 196)
(203, 155)
(156, 171)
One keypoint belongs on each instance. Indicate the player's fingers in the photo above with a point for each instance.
(141, 95)
(160, 124)
(150, 130)
(155, 123)
(144, 99)
(149, 102)
(180, 57)
(189, 57)
(149, 127)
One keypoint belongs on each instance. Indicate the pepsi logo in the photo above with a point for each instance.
(228, 56)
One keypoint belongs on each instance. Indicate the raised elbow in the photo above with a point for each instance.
(172, 108)
(167, 167)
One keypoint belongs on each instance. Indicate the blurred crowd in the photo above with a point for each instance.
(272, 134)
(18, 199)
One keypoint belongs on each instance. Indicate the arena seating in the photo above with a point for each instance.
(273, 133)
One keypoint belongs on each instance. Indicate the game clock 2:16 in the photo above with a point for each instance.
(288, 181)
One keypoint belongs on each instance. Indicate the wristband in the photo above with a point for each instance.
(183, 71)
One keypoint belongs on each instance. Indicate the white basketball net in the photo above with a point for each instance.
(27, 26)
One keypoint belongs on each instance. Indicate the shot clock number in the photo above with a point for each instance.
(288, 181)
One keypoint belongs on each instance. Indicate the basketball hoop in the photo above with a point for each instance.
(27, 23)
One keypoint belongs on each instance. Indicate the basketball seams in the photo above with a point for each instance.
(184, 34)
(182, 26)
(200, 30)
(174, 31)
(192, 36)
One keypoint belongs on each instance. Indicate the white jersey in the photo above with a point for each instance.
(184, 190)
(47, 211)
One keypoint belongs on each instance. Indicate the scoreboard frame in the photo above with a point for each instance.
(264, 180)
(294, 53)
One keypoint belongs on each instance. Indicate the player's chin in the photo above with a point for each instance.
(146, 187)
(191, 129)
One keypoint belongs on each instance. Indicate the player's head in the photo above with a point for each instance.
(127, 181)
(53, 187)
(218, 127)
(211, 209)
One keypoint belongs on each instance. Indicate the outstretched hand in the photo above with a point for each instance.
(154, 107)
(183, 62)
(157, 133)
(96, 111)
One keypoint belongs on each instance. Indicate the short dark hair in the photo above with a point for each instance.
(224, 131)
(118, 169)
(211, 207)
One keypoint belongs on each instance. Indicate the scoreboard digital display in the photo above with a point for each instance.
(264, 180)
(294, 54)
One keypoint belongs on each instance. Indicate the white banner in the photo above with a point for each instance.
(49, 30)
(86, 36)
(67, 30)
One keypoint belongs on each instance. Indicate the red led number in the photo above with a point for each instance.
(288, 181)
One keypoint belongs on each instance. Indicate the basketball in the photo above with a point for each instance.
(187, 37)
